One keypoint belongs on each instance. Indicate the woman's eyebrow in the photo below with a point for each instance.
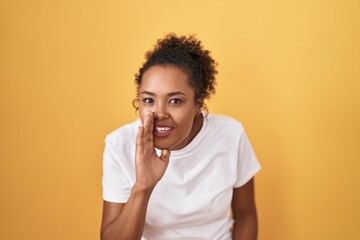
(169, 94)
(175, 93)
(148, 93)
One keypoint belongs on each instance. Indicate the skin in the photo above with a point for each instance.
(244, 212)
(166, 100)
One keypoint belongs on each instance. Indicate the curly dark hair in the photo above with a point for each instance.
(188, 54)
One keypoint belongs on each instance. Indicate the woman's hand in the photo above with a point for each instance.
(150, 168)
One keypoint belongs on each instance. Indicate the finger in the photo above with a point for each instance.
(165, 155)
(152, 128)
(146, 119)
(140, 137)
(148, 125)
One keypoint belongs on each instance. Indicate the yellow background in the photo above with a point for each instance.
(290, 71)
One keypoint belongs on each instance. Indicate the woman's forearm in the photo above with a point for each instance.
(245, 227)
(129, 224)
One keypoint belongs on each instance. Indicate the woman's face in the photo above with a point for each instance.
(165, 93)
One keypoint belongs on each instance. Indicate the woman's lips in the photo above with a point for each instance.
(162, 132)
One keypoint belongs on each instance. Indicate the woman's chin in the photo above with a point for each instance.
(162, 145)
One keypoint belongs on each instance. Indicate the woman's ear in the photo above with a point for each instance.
(202, 108)
(135, 104)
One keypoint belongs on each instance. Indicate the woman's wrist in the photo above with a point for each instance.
(141, 189)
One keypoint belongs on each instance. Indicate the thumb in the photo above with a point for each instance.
(165, 155)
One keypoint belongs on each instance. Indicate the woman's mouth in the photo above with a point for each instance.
(162, 131)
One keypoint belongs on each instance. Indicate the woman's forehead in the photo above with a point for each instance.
(165, 79)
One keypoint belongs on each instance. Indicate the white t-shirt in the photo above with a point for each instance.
(193, 199)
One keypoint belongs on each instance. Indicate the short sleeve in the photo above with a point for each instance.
(247, 165)
(116, 185)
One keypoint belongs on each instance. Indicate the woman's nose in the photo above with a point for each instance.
(161, 112)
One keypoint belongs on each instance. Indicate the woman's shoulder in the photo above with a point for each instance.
(223, 121)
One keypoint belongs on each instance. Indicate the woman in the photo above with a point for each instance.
(178, 173)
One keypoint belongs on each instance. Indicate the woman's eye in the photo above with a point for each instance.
(148, 100)
(175, 101)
